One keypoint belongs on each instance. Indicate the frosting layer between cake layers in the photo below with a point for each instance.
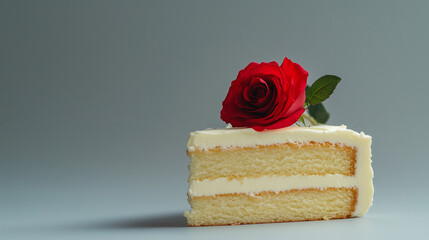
(230, 138)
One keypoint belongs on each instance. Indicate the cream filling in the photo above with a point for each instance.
(252, 186)
(247, 137)
(268, 183)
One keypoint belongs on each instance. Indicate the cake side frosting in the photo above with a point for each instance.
(245, 137)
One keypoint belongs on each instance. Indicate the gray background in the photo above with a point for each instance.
(97, 100)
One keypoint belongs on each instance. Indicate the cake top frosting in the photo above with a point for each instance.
(244, 137)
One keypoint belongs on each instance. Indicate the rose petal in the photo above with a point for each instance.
(264, 69)
(298, 75)
(266, 95)
(299, 102)
(247, 94)
(255, 84)
(263, 101)
(285, 122)
(242, 73)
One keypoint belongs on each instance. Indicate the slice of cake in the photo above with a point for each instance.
(264, 169)
(242, 176)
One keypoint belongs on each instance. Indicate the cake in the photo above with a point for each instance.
(241, 176)
(277, 161)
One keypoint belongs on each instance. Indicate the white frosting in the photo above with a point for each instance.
(273, 183)
(247, 137)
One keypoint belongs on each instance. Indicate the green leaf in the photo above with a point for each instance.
(322, 88)
(319, 113)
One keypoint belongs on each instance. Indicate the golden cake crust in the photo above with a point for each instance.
(349, 207)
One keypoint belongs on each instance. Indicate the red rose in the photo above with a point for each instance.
(266, 96)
